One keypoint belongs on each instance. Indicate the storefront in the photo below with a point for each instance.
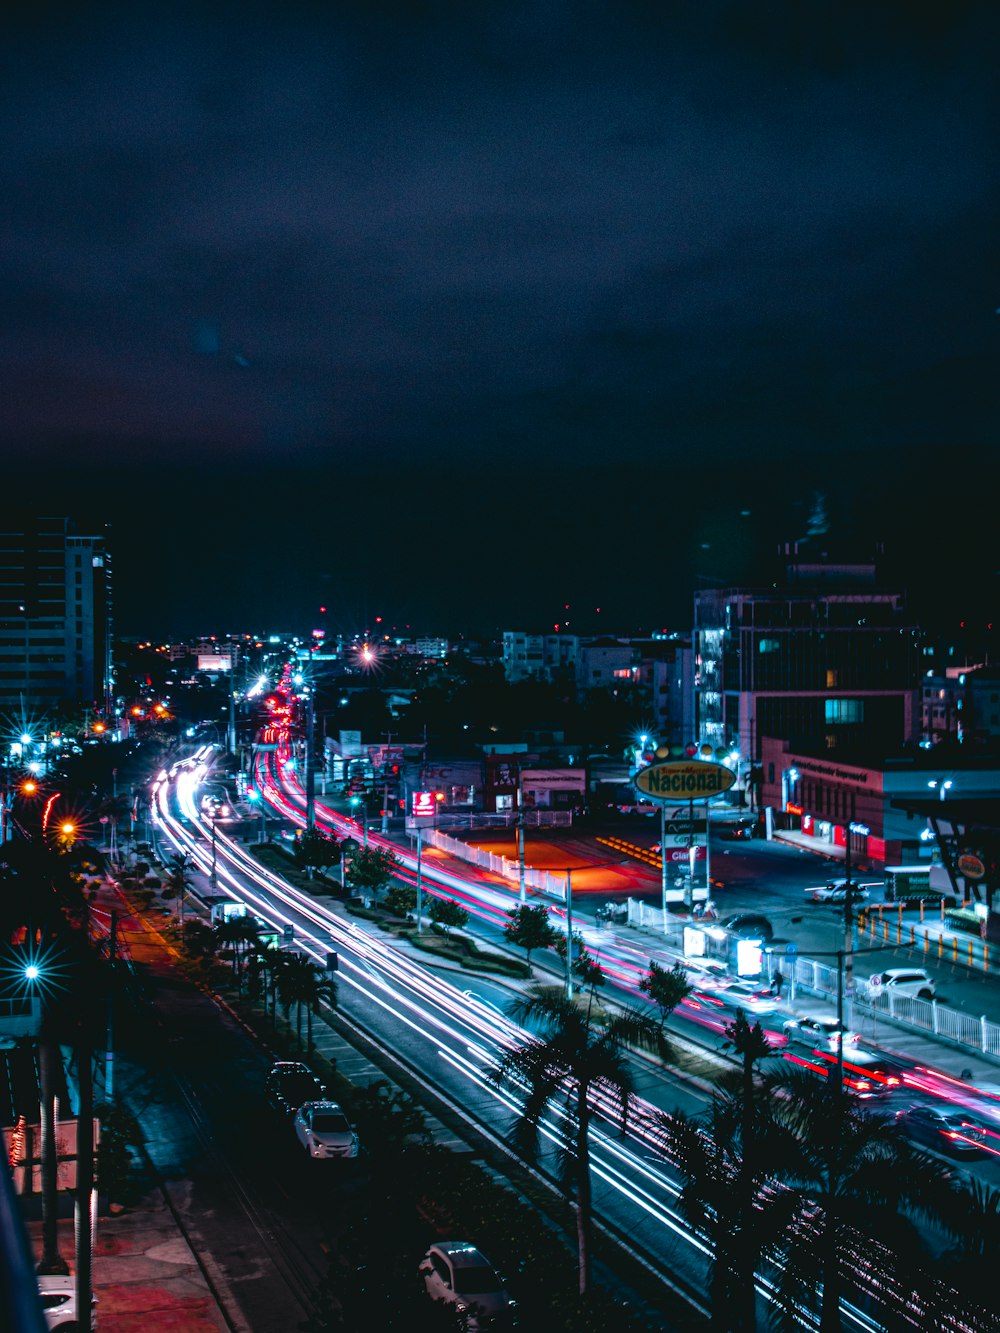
(827, 800)
(877, 804)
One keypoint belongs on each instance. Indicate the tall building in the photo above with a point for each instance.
(55, 619)
(825, 653)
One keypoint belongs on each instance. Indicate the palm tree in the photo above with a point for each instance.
(179, 868)
(578, 1058)
(307, 985)
(240, 932)
(727, 1200)
(970, 1265)
(859, 1185)
(723, 1159)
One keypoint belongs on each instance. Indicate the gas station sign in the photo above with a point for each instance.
(422, 805)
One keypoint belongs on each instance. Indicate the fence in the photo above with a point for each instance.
(538, 817)
(644, 917)
(805, 974)
(950, 1025)
(542, 880)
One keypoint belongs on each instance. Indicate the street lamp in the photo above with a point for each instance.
(254, 797)
(355, 802)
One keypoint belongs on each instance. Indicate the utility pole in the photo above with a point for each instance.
(213, 878)
(385, 779)
(310, 763)
(840, 1026)
(569, 933)
(109, 1054)
(520, 838)
(420, 882)
(848, 953)
(663, 861)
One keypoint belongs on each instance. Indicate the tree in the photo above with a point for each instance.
(306, 985)
(239, 932)
(666, 987)
(580, 1059)
(971, 1264)
(590, 972)
(119, 1129)
(529, 928)
(371, 869)
(709, 1152)
(858, 1182)
(316, 850)
(447, 913)
(401, 899)
(179, 868)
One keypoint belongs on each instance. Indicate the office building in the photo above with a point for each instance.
(55, 620)
(826, 652)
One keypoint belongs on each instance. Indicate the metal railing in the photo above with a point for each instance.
(544, 881)
(966, 1031)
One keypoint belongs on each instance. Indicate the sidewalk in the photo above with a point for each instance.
(145, 1273)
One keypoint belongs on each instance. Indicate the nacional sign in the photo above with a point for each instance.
(687, 779)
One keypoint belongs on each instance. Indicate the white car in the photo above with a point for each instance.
(911, 981)
(324, 1130)
(58, 1297)
(744, 995)
(836, 893)
(457, 1273)
(819, 1034)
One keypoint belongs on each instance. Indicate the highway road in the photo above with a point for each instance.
(448, 1038)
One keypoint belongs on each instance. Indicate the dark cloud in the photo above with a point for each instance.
(366, 241)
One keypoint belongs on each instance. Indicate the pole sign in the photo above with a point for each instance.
(422, 806)
(970, 864)
(684, 779)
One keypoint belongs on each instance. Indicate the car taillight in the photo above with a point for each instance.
(950, 1134)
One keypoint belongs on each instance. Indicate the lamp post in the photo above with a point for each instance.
(358, 801)
(520, 839)
(569, 933)
(213, 877)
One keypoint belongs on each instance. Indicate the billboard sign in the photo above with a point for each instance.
(422, 805)
(684, 779)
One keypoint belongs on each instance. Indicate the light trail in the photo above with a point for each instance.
(452, 1021)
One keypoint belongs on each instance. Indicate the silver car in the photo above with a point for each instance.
(324, 1130)
(458, 1274)
(819, 1034)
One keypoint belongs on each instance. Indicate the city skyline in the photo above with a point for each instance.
(452, 314)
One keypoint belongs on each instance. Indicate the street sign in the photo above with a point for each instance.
(687, 779)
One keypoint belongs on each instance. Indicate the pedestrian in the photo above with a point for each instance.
(777, 981)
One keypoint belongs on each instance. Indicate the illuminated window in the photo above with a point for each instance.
(843, 710)
(831, 679)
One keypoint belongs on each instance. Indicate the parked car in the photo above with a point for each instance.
(289, 1084)
(911, 981)
(835, 893)
(58, 1296)
(456, 1272)
(749, 926)
(740, 832)
(819, 1034)
(945, 1129)
(324, 1130)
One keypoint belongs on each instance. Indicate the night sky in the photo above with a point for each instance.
(460, 312)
